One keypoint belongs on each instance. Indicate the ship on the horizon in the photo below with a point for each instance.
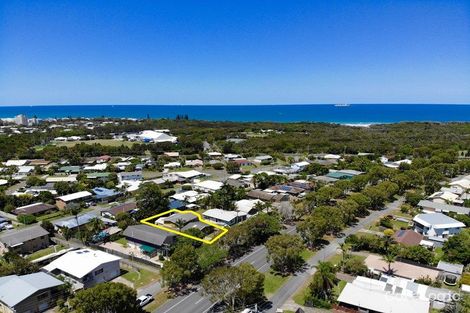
(342, 105)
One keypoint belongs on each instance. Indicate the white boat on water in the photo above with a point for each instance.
(342, 105)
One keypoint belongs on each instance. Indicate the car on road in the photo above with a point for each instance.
(144, 300)
(3, 225)
(3, 220)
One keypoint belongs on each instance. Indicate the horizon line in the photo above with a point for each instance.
(222, 104)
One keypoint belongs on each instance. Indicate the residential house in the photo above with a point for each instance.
(208, 186)
(73, 222)
(267, 196)
(30, 293)
(172, 165)
(462, 183)
(66, 179)
(264, 159)
(70, 169)
(432, 207)
(445, 197)
(99, 176)
(157, 137)
(25, 240)
(73, 199)
(215, 155)
(129, 176)
(407, 237)
(189, 196)
(121, 208)
(370, 295)
(149, 240)
(436, 225)
(247, 207)
(172, 154)
(85, 268)
(34, 209)
(241, 162)
(104, 194)
(194, 163)
(223, 217)
(184, 176)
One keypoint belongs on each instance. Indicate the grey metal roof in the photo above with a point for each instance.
(18, 236)
(149, 234)
(450, 267)
(436, 218)
(186, 218)
(15, 289)
(443, 207)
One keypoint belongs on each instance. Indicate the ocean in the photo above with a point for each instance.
(352, 114)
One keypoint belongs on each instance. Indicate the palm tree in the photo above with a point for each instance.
(389, 258)
(179, 223)
(344, 253)
(324, 280)
(95, 225)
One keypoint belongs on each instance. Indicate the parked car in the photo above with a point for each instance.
(8, 226)
(2, 225)
(3, 220)
(144, 300)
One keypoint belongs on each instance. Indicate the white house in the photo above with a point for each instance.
(208, 186)
(189, 196)
(369, 295)
(247, 206)
(154, 136)
(223, 217)
(445, 197)
(437, 225)
(85, 268)
(463, 183)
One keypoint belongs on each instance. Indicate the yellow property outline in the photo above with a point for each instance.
(209, 242)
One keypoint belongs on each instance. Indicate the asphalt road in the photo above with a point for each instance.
(291, 286)
(196, 302)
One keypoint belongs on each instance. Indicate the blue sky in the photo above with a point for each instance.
(244, 52)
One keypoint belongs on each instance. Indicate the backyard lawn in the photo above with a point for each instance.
(141, 277)
(122, 241)
(40, 253)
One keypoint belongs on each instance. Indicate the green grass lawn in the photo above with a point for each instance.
(122, 241)
(336, 259)
(103, 142)
(299, 296)
(51, 216)
(307, 254)
(438, 254)
(272, 283)
(339, 287)
(40, 253)
(141, 278)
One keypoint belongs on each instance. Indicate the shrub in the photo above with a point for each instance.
(355, 266)
(186, 187)
(386, 222)
(27, 219)
(218, 166)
